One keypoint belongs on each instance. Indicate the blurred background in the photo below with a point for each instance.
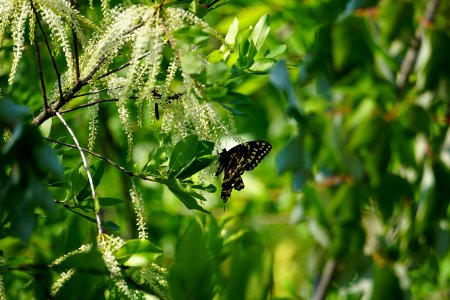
(352, 202)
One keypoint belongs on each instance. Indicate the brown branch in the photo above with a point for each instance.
(48, 48)
(129, 173)
(89, 104)
(411, 55)
(123, 66)
(169, 37)
(41, 73)
(44, 115)
(69, 95)
(94, 92)
(75, 48)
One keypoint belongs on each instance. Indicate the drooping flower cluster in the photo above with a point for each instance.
(154, 78)
(139, 209)
(107, 246)
(65, 276)
(57, 14)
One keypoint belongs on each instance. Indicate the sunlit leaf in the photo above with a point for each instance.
(137, 252)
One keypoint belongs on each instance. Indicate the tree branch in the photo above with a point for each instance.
(94, 92)
(411, 55)
(75, 50)
(122, 169)
(41, 73)
(123, 66)
(89, 104)
(64, 99)
(48, 48)
(83, 158)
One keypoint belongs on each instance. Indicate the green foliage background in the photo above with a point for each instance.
(351, 203)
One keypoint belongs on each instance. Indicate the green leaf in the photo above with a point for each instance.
(46, 127)
(11, 113)
(275, 51)
(191, 64)
(216, 73)
(416, 119)
(183, 153)
(246, 46)
(158, 156)
(109, 225)
(196, 165)
(105, 224)
(188, 197)
(260, 32)
(280, 79)
(392, 190)
(386, 284)
(210, 188)
(203, 158)
(192, 274)
(294, 158)
(215, 56)
(204, 148)
(230, 38)
(16, 135)
(107, 201)
(262, 64)
(47, 161)
(216, 92)
(97, 173)
(137, 252)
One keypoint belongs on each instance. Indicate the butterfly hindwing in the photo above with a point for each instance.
(243, 157)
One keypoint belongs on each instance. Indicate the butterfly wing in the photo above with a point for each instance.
(243, 157)
(232, 175)
(238, 185)
(222, 161)
(256, 151)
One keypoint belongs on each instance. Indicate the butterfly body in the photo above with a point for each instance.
(243, 157)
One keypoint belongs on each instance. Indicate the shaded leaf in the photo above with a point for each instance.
(183, 152)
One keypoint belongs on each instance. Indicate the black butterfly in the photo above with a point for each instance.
(240, 158)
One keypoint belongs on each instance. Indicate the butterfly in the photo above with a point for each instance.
(240, 158)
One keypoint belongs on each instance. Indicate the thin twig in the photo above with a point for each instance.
(122, 169)
(325, 280)
(169, 37)
(96, 92)
(89, 104)
(411, 55)
(123, 66)
(83, 158)
(48, 48)
(75, 48)
(41, 73)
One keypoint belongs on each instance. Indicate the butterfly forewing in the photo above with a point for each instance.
(256, 152)
(234, 162)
